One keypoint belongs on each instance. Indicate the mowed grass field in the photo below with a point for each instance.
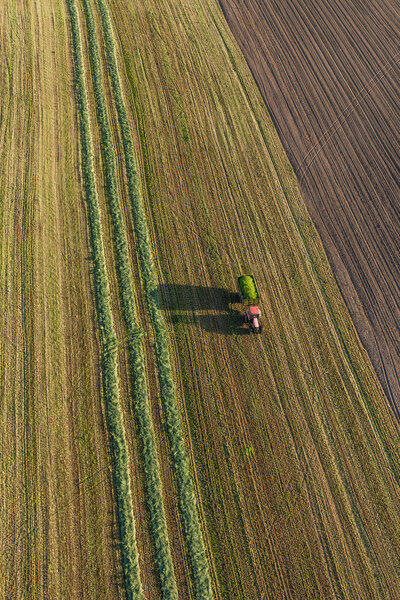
(59, 533)
(329, 75)
(152, 448)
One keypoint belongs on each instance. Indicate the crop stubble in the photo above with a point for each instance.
(294, 449)
(57, 513)
(329, 74)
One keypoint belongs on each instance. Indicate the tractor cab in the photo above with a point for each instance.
(252, 316)
(254, 312)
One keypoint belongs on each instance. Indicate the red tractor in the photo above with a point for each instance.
(252, 316)
(248, 294)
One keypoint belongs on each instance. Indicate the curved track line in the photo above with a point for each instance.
(353, 105)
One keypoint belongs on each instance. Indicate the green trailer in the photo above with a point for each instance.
(248, 292)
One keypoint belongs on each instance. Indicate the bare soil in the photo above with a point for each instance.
(329, 73)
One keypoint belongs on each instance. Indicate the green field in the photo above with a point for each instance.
(152, 448)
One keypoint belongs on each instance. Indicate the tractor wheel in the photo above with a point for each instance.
(261, 329)
(251, 329)
(246, 318)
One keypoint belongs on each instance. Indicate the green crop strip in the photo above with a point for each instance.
(187, 495)
(107, 332)
(151, 464)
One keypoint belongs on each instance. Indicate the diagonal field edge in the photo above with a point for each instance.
(187, 495)
(137, 365)
(106, 326)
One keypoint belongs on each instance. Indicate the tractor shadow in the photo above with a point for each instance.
(177, 297)
(231, 323)
(187, 305)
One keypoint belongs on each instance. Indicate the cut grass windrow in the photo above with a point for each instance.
(187, 495)
(151, 464)
(107, 332)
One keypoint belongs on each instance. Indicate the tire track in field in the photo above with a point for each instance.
(17, 476)
(150, 459)
(180, 458)
(107, 332)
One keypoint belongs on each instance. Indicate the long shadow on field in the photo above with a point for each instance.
(213, 309)
(195, 297)
(231, 323)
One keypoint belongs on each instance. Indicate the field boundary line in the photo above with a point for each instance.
(319, 283)
(187, 496)
(136, 355)
(108, 338)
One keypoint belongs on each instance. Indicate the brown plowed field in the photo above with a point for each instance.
(329, 73)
